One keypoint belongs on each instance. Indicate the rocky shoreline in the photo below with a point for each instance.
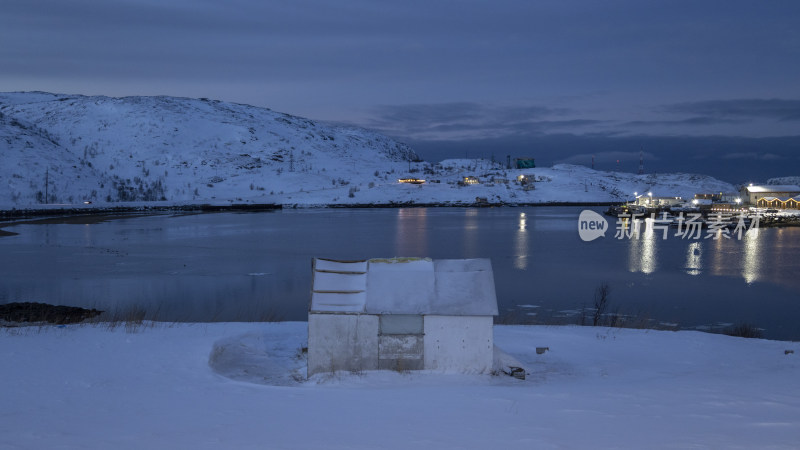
(17, 313)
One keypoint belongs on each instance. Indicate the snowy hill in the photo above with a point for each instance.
(66, 149)
(179, 150)
(783, 181)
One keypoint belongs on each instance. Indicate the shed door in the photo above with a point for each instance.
(401, 342)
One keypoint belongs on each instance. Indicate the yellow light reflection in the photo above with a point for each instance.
(412, 232)
(471, 233)
(751, 263)
(719, 261)
(642, 251)
(648, 263)
(87, 235)
(521, 243)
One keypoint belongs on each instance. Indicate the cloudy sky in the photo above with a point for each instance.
(701, 86)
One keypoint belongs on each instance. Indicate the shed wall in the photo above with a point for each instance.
(342, 342)
(458, 343)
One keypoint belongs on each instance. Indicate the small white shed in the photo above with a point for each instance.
(401, 314)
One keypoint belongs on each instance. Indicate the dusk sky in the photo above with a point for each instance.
(697, 86)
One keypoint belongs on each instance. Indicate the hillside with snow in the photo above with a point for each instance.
(783, 181)
(68, 149)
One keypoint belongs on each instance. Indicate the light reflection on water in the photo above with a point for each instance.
(224, 266)
(411, 238)
(729, 256)
(642, 250)
(751, 261)
(521, 249)
(720, 265)
(471, 236)
(694, 258)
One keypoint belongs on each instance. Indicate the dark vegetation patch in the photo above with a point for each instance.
(43, 312)
(744, 330)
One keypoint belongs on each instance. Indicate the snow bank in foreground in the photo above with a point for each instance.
(161, 387)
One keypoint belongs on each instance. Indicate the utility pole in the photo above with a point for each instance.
(291, 161)
(47, 185)
(641, 163)
(592, 162)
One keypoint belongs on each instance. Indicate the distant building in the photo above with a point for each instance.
(731, 197)
(401, 314)
(470, 180)
(779, 203)
(713, 197)
(752, 193)
(411, 180)
(718, 201)
(649, 201)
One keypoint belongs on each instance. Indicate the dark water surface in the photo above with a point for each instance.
(248, 266)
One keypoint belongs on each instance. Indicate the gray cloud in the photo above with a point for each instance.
(754, 156)
(778, 109)
(467, 120)
(691, 121)
(608, 159)
(346, 56)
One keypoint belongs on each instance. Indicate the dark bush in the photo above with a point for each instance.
(744, 330)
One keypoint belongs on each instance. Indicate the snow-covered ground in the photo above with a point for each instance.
(67, 149)
(241, 385)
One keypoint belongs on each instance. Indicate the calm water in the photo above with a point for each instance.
(246, 266)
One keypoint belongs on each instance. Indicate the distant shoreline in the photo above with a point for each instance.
(103, 210)
(205, 207)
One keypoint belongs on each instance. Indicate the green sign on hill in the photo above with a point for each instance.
(525, 163)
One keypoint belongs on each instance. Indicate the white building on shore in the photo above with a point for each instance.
(752, 193)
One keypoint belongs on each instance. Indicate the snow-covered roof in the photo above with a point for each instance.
(404, 286)
(773, 188)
